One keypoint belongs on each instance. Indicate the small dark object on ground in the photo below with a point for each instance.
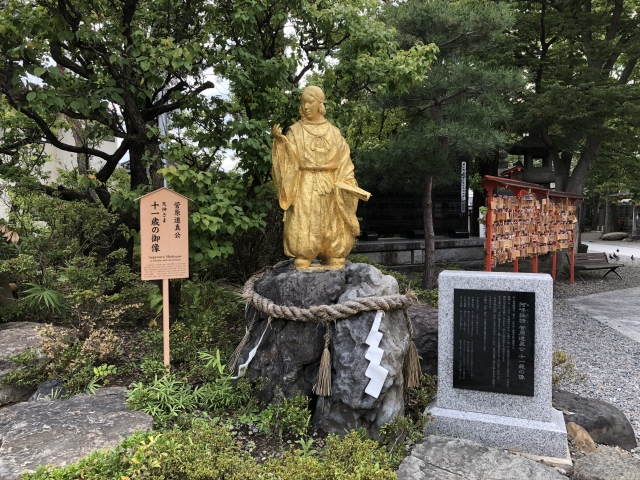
(50, 389)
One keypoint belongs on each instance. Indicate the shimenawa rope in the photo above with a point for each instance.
(326, 314)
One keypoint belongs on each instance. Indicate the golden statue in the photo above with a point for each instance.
(313, 175)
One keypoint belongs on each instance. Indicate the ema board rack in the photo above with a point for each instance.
(534, 221)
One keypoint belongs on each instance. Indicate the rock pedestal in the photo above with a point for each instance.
(288, 352)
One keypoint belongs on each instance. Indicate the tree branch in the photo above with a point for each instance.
(628, 69)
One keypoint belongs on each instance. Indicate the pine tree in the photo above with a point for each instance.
(459, 109)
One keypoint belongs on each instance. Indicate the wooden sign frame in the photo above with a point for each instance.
(164, 245)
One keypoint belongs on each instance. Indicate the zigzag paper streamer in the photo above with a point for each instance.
(375, 372)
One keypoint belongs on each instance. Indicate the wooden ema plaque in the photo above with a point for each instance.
(526, 227)
(164, 235)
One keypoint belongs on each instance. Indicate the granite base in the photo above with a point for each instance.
(528, 436)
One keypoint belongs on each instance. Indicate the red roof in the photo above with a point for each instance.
(516, 186)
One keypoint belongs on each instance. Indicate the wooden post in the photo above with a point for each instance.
(553, 266)
(165, 321)
(515, 265)
(489, 216)
(164, 246)
(534, 264)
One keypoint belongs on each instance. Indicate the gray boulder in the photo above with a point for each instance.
(605, 423)
(614, 236)
(444, 458)
(606, 463)
(62, 432)
(16, 338)
(50, 389)
(289, 354)
(425, 334)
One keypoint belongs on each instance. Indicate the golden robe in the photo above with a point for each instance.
(319, 217)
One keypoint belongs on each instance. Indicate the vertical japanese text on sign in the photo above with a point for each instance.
(164, 240)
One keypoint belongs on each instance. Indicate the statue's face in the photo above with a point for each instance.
(310, 107)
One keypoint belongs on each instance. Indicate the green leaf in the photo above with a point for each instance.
(31, 96)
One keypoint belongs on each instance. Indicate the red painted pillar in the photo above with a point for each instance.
(515, 265)
(534, 264)
(487, 260)
(553, 266)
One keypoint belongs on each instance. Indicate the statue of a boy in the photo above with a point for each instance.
(317, 190)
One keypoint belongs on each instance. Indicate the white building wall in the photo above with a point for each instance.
(59, 159)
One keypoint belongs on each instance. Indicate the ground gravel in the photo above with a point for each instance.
(608, 363)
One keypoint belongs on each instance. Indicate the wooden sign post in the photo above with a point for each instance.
(164, 245)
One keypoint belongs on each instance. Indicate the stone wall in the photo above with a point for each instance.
(405, 254)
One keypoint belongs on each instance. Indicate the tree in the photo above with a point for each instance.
(456, 111)
(582, 57)
(120, 66)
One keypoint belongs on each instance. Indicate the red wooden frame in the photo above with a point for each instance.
(519, 188)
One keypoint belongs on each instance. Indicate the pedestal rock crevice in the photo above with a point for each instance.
(289, 354)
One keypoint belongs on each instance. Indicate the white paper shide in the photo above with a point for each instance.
(375, 371)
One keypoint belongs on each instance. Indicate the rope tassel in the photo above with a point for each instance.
(411, 368)
(323, 383)
(236, 353)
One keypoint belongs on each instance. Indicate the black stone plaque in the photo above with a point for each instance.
(493, 341)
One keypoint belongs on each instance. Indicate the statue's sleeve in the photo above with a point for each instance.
(285, 170)
(347, 202)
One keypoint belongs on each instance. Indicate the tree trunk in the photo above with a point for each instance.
(596, 211)
(136, 167)
(610, 217)
(175, 296)
(588, 158)
(429, 278)
(157, 180)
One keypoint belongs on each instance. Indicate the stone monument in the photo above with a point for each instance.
(317, 325)
(495, 339)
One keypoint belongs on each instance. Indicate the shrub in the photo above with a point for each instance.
(563, 368)
(207, 451)
(169, 397)
(289, 416)
(61, 356)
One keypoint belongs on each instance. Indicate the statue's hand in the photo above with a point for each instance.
(277, 133)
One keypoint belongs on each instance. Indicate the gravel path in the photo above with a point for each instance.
(608, 361)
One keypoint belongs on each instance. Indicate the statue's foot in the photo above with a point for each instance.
(333, 262)
(302, 263)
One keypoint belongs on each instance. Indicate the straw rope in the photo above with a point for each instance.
(326, 314)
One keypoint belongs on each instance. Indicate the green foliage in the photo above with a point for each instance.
(459, 107)
(417, 398)
(70, 360)
(291, 416)
(563, 368)
(403, 431)
(164, 399)
(583, 94)
(208, 451)
(42, 298)
(169, 397)
(400, 432)
(220, 208)
(100, 374)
